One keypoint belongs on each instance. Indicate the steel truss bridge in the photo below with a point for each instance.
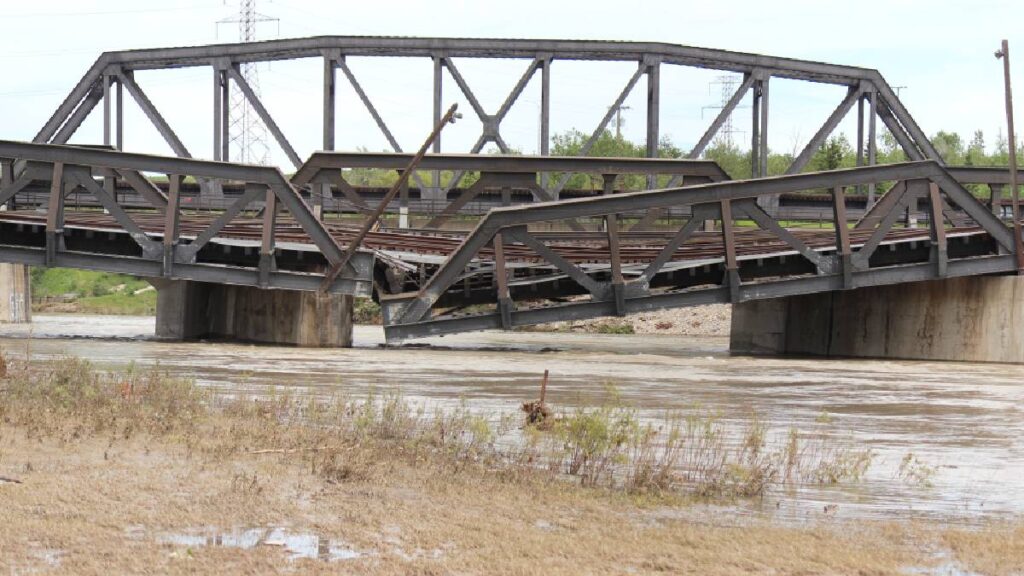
(541, 252)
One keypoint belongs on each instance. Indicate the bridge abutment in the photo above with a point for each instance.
(15, 294)
(976, 319)
(189, 310)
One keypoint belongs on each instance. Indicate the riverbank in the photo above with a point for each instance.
(135, 471)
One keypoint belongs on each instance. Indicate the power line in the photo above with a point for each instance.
(101, 12)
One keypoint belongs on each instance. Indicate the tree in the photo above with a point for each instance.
(835, 153)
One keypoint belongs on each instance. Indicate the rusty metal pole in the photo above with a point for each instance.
(1004, 53)
(373, 219)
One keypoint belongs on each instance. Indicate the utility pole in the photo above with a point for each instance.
(1018, 243)
(618, 120)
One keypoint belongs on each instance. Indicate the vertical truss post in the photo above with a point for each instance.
(225, 117)
(107, 96)
(860, 131)
(218, 112)
(611, 222)
(438, 84)
(769, 203)
(860, 137)
(55, 215)
(995, 199)
(119, 117)
(938, 230)
(6, 179)
(108, 175)
(872, 141)
(505, 305)
(732, 272)
(607, 189)
(843, 249)
(221, 118)
(330, 91)
(322, 191)
(403, 200)
(653, 114)
(171, 218)
(762, 146)
(266, 265)
(755, 128)
(545, 114)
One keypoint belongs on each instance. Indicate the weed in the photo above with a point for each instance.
(913, 470)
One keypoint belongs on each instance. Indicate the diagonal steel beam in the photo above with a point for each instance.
(137, 233)
(896, 129)
(670, 249)
(769, 224)
(128, 81)
(457, 76)
(825, 130)
(369, 105)
(264, 115)
(73, 100)
(80, 114)
(517, 90)
(145, 188)
(585, 149)
(723, 115)
(520, 234)
(13, 188)
(373, 112)
(251, 194)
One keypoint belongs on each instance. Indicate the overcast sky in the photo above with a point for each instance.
(941, 51)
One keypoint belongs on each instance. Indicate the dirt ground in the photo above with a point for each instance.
(106, 506)
(103, 506)
(134, 473)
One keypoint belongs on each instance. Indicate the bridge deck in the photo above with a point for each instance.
(576, 247)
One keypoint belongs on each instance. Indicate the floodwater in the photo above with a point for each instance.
(963, 421)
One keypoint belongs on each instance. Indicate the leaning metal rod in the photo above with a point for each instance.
(372, 220)
(1018, 243)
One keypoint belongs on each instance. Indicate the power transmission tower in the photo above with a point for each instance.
(247, 134)
(728, 83)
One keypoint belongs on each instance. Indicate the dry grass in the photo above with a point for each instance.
(110, 462)
(996, 549)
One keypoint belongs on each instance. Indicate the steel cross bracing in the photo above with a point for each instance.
(127, 242)
(529, 278)
(866, 88)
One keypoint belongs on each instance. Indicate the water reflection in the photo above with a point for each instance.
(298, 545)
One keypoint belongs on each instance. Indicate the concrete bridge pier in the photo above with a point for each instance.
(975, 319)
(15, 294)
(189, 310)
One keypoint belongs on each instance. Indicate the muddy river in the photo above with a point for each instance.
(963, 422)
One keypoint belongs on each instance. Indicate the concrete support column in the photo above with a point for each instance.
(187, 310)
(974, 319)
(15, 294)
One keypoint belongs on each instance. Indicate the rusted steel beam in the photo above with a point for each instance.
(372, 220)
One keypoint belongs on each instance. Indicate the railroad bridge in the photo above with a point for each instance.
(900, 260)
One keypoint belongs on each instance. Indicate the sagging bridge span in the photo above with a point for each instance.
(540, 252)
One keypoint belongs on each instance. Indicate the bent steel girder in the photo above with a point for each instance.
(737, 266)
(497, 172)
(866, 85)
(168, 254)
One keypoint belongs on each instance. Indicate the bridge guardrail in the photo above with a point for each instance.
(151, 242)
